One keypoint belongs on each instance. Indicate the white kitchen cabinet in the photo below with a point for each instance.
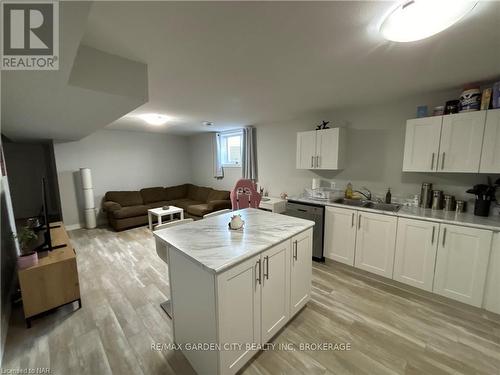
(415, 257)
(321, 149)
(422, 144)
(490, 155)
(275, 305)
(340, 234)
(306, 150)
(375, 241)
(461, 142)
(462, 263)
(492, 290)
(301, 270)
(239, 296)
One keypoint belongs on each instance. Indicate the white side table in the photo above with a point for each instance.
(160, 212)
(273, 204)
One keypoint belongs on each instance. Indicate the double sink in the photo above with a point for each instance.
(369, 204)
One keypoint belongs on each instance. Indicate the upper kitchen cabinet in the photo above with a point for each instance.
(453, 143)
(321, 149)
(490, 156)
(461, 142)
(422, 144)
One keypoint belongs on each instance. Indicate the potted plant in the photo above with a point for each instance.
(28, 257)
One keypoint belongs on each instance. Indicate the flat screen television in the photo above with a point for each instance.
(45, 227)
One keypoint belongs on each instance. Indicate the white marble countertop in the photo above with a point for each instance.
(467, 219)
(210, 243)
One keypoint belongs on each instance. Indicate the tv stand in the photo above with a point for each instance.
(53, 282)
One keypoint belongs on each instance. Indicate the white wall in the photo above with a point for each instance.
(375, 141)
(119, 160)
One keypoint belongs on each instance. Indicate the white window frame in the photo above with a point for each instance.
(225, 135)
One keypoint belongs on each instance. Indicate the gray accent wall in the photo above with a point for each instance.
(119, 160)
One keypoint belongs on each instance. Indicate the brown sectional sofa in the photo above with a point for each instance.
(126, 209)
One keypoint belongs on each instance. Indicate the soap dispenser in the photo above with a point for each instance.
(348, 191)
(388, 196)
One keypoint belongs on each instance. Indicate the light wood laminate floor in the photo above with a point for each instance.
(123, 282)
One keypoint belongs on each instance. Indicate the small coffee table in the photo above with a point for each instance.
(160, 212)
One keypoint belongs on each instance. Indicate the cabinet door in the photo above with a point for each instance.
(301, 271)
(492, 291)
(490, 155)
(340, 234)
(329, 148)
(422, 144)
(375, 241)
(275, 305)
(239, 290)
(461, 142)
(306, 150)
(462, 263)
(416, 246)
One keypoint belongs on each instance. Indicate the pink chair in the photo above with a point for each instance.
(245, 195)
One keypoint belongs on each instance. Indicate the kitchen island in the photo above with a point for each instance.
(232, 291)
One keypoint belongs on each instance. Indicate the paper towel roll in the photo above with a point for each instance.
(316, 182)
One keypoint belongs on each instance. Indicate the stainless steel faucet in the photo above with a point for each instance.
(367, 196)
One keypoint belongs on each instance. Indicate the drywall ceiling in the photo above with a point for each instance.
(241, 63)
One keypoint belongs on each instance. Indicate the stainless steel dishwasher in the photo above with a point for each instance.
(314, 213)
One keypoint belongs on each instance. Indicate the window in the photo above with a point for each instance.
(231, 148)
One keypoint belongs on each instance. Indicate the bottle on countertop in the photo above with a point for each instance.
(348, 191)
(388, 196)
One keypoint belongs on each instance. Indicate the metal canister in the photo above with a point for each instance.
(437, 199)
(426, 195)
(460, 207)
(449, 203)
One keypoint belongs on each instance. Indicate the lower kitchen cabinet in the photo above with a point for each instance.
(375, 241)
(492, 290)
(340, 234)
(416, 247)
(300, 271)
(462, 263)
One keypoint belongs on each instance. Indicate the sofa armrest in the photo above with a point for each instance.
(110, 206)
(219, 205)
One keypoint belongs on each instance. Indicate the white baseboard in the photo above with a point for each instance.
(73, 226)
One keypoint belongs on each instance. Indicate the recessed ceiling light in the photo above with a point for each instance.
(413, 20)
(208, 123)
(154, 118)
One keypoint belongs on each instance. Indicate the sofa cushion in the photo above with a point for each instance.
(218, 195)
(183, 203)
(130, 211)
(192, 191)
(125, 198)
(198, 193)
(176, 192)
(154, 194)
(158, 204)
(198, 209)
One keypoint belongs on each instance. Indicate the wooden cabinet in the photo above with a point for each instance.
(340, 234)
(275, 305)
(415, 257)
(492, 289)
(300, 271)
(490, 156)
(321, 149)
(422, 144)
(375, 241)
(239, 293)
(461, 142)
(462, 263)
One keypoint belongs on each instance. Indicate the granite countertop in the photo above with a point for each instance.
(467, 219)
(210, 243)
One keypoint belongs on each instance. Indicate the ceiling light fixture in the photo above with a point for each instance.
(413, 20)
(208, 123)
(154, 118)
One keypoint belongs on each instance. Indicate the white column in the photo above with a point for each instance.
(88, 198)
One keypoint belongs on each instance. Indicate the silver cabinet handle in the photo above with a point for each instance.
(259, 279)
(444, 236)
(432, 161)
(352, 220)
(359, 221)
(312, 161)
(442, 162)
(295, 250)
(433, 232)
(266, 268)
